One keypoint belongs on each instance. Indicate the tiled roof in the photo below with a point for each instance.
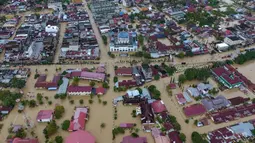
(222, 72)
(79, 89)
(44, 114)
(80, 136)
(127, 83)
(19, 140)
(158, 106)
(174, 137)
(194, 110)
(180, 98)
(238, 100)
(123, 71)
(130, 139)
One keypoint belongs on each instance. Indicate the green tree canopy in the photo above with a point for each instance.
(18, 83)
(65, 125)
(59, 110)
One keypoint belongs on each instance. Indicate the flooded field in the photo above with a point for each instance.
(248, 70)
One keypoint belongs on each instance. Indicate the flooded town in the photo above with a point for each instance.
(127, 71)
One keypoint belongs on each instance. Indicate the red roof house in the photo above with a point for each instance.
(80, 136)
(127, 125)
(79, 119)
(172, 86)
(127, 83)
(180, 98)
(174, 137)
(194, 110)
(124, 71)
(42, 83)
(100, 91)
(19, 140)
(44, 116)
(130, 139)
(158, 106)
(79, 90)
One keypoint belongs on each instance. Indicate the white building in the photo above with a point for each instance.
(51, 29)
(124, 42)
(222, 46)
(233, 40)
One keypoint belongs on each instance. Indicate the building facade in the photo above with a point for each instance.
(124, 42)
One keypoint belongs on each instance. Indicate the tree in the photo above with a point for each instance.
(21, 133)
(197, 138)
(134, 135)
(65, 125)
(176, 126)
(140, 39)
(9, 98)
(75, 81)
(81, 101)
(71, 101)
(151, 88)
(18, 83)
(104, 38)
(156, 77)
(32, 103)
(195, 122)
(50, 129)
(39, 97)
(90, 101)
(140, 90)
(102, 125)
(105, 85)
(182, 137)
(59, 139)
(181, 55)
(59, 110)
(104, 102)
(92, 83)
(115, 79)
(182, 78)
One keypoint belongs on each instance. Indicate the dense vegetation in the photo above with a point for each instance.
(9, 98)
(242, 58)
(197, 138)
(194, 74)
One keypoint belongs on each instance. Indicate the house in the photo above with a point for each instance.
(233, 40)
(79, 90)
(63, 87)
(103, 11)
(244, 129)
(194, 110)
(44, 116)
(193, 91)
(92, 76)
(127, 3)
(27, 140)
(127, 125)
(80, 136)
(172, 86)
(222, 135)
(158, 106)
(124, 71)
(226, 77)
(147, 72)
(42, 83)
(174, 137)
(147, 116)
(204, 88)
(127, 83)
(156, 133)
(130, 139)
(180, 98)
(5, 110)
(216, 103)
(238, 100)
(100, 91)
(132, 93)
(79, 119)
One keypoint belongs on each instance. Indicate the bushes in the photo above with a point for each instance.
(117, 131)
(194, 74)
(242, 58)
(32, 103)
(115, 79)
(65, 125)
(197, 138)
(81, 101)
(50, 129)
(153, 90)
(59, 110)
(104, 38)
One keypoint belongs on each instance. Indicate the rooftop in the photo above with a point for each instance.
(80, 136)
(158, 106)
(130, 139)
(194, 110)
(44, 114)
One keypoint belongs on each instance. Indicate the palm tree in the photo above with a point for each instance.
(102, 125)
